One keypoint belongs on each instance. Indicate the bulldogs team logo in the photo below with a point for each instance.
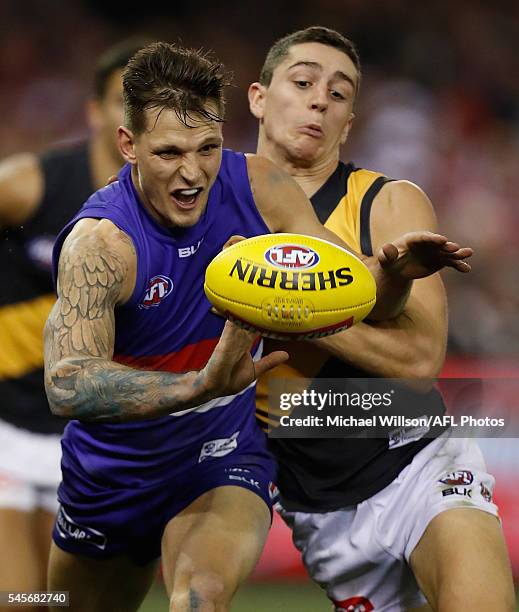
(159, 287)
(292, 257)
(461, 477)
(354, 604)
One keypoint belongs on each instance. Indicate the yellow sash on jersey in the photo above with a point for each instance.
(305, 359)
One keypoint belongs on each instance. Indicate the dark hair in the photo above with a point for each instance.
(115, 58)
(167, 76)
(317, 34)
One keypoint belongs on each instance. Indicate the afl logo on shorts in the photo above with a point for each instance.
(292, 257)
(159, 287)
(461, 477)
(354, 604)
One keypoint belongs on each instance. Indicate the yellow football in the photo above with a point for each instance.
(290, 286)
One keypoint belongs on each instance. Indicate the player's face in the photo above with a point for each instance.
(174, 166)
(307, 110)
(106, 113)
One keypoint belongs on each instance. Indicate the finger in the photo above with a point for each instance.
(233, 240)
(214, 311)
(450, 247)
(387, 254)
(462, 253)
(235, 338)
(422, 236)
(461, 266)
(269, 361)
(433, 237)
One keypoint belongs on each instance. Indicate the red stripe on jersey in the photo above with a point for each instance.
(191, 357)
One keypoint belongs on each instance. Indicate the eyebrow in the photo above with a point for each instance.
(337, 74)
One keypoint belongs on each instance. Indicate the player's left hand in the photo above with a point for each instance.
(230, 241)
(420, 254)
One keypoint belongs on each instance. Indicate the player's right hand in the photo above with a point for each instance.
(419, 254)
(231, 368)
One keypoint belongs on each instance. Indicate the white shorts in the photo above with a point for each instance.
(29, 469)
(360, 554)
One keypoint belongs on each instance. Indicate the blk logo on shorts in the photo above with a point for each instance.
(159, 287)
(354, 604)
(460, 477)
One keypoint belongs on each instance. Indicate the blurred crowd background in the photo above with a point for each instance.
(439, 105)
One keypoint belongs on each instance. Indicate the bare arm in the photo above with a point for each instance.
(21, 188)
(417, 254)
(413, 344)
(96, 273)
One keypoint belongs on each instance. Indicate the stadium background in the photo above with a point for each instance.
(439, 105)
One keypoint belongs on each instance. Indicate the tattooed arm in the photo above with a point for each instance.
(97, 271)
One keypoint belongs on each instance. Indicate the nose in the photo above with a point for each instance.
(189, 170)
(319, 98)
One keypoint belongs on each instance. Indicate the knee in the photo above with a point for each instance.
(203, 591)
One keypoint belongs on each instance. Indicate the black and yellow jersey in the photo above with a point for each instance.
(324, 474)
(26, 290)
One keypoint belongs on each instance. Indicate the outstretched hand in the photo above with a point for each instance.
(420, 254)
(231, 367)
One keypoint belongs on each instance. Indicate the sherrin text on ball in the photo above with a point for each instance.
(290, 286)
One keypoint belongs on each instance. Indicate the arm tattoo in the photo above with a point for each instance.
(195, 601)
(81, 379)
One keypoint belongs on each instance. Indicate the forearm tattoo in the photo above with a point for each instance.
(81, 379)
(195, 601)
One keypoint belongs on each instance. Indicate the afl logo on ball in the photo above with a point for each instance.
(159, 287)
(292, 257)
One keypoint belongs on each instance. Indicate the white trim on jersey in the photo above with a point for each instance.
(225, 400)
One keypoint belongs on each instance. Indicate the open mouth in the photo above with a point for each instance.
(186, 198)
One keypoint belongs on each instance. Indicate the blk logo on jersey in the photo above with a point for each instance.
(292, 257)
(159, 287)
(461, 477)
(354, 604)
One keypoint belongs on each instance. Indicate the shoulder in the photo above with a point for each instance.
(261, 167)
(400, 207)
(99, 248)
(94, 233)
(21, 187)
(398, 194)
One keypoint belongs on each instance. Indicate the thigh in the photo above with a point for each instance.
(18, 558)
(43, 522)
(103, 585)
(211, 547)
(343, 552)
(461, 563)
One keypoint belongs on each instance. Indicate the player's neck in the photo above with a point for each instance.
(103, 163)
(310, 176)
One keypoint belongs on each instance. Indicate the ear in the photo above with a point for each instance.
(126, 143)
(257, 93)
(347, 128)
